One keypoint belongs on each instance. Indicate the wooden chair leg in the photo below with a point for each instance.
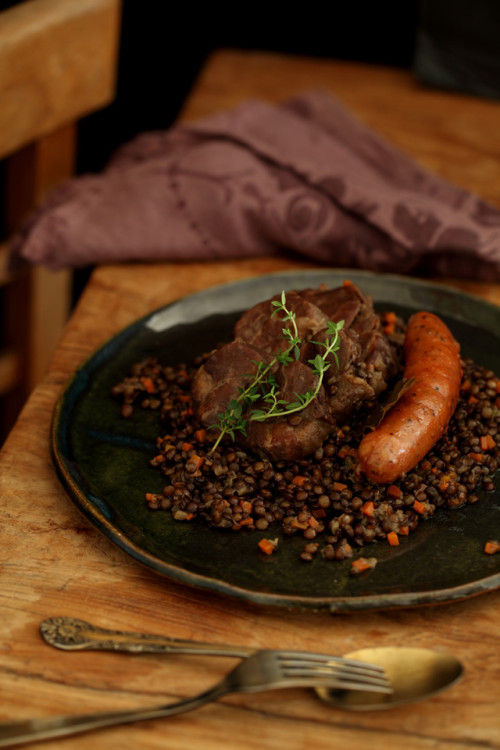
(50, 297)
(37, 304)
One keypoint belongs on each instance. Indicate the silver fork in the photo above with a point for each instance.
(263, 670)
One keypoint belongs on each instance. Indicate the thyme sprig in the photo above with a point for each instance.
(319, 366)
(264, 387)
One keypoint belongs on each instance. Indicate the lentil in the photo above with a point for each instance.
(324, 498)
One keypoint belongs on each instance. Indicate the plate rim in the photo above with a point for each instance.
(335, 604)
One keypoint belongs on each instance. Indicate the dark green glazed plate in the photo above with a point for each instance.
(103, 461)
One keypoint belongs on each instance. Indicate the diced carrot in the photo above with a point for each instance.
(347, 283)
(246, 522)
(390, 317)
(200, 435)
(148, 384)
(362, 564)
(299, 480)
(368, 508)
(313, 523)
(404, 530)
(394, 491)
(295, 524)
(185, 398)
(187, 412)
(487, 442)
(195, 461)
(492, 547)
(268, 546)
(189, 516)
(419, 507)
(472, 400)
(392, 538)
(434, 470)
(339, 486)
(465, 385)
(478, 457)
(149, 496)
(389, 328)
(187, 447)
(445, 480)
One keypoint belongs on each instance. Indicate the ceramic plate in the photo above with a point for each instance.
(102, 460)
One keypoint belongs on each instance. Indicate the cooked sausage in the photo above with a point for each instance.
(419, 418)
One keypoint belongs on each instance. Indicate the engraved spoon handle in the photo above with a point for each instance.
(71, 634)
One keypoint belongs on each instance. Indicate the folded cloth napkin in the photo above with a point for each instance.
(304, 176)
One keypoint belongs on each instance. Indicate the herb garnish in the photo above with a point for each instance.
(264, 387)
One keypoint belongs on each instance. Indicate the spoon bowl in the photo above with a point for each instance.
(414, 674)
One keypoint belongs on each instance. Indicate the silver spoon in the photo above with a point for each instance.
(414, 673)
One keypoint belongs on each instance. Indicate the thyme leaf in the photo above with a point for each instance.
(263, 385)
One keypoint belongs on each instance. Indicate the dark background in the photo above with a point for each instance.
(161, 54)
(452, 44)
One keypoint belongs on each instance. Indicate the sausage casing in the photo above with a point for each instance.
(419, 418)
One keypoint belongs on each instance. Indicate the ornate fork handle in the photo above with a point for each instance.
(71, 634)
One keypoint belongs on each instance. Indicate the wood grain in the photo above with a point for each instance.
(57, 63)
(53, 562)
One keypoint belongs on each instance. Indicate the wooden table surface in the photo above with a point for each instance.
(53, 562)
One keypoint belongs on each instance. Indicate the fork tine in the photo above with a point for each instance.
(334, 669)
(341, 676)
(333, 664)
(357, 668)
(386, 689)
(326, 658)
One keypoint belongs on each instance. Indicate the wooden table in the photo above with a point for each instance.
(53, 562)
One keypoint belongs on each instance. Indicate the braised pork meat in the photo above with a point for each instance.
(366, 362)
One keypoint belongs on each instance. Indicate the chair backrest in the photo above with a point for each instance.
(58, 62)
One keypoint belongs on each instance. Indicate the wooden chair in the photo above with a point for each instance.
(57, 63)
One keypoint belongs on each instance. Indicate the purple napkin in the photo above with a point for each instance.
(304, 176)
